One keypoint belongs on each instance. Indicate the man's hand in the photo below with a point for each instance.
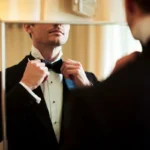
(34, 74)
(73, 70)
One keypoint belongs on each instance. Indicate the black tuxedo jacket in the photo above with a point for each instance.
(115, 115)
(28, 124)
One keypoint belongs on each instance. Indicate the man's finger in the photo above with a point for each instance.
(70, 61)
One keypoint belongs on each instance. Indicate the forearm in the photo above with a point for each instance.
(18, 102)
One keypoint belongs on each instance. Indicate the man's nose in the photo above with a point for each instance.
(57, 25)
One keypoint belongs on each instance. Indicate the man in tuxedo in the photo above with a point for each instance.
(115, 115)
(36, 89)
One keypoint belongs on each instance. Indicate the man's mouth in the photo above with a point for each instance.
(56, 31)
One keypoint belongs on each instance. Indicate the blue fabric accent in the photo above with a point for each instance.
(70, 84)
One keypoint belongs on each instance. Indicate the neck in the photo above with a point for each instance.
(141, 30)
(49, 53)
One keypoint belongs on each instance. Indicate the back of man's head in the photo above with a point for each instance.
(144, 5)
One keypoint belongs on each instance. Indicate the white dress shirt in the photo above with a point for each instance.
(52, 90)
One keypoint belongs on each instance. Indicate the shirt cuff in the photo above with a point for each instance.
(38, 99)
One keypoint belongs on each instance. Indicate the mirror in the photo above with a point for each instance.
(97, 47)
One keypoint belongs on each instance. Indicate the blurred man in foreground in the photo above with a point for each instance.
(116, 113)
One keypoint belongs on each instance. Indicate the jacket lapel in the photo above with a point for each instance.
(67, 85)
(41, 111)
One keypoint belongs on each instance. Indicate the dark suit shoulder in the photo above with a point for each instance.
(21, 66)
(93, 79)
(15, 73)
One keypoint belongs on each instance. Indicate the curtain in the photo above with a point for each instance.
(96, 47)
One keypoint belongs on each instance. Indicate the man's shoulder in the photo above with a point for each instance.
(91, 76)
(15, 71)
(21, 65)
(89, 73)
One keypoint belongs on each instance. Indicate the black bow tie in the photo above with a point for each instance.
(54, 66)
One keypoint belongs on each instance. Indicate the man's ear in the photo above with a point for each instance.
(28, 28)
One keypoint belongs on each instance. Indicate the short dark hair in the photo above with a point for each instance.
(144, 5)
(30, 33)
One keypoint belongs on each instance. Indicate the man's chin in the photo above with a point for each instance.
(56, 43)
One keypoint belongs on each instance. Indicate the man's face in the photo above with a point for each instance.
(133, 12)
(50, 34)
(128, 15)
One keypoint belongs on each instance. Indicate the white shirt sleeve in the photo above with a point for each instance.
(38, 99)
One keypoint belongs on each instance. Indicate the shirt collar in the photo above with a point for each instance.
(36, 54)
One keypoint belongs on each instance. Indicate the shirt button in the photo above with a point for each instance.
(53, 101)
(55, 122)
(51, 81)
